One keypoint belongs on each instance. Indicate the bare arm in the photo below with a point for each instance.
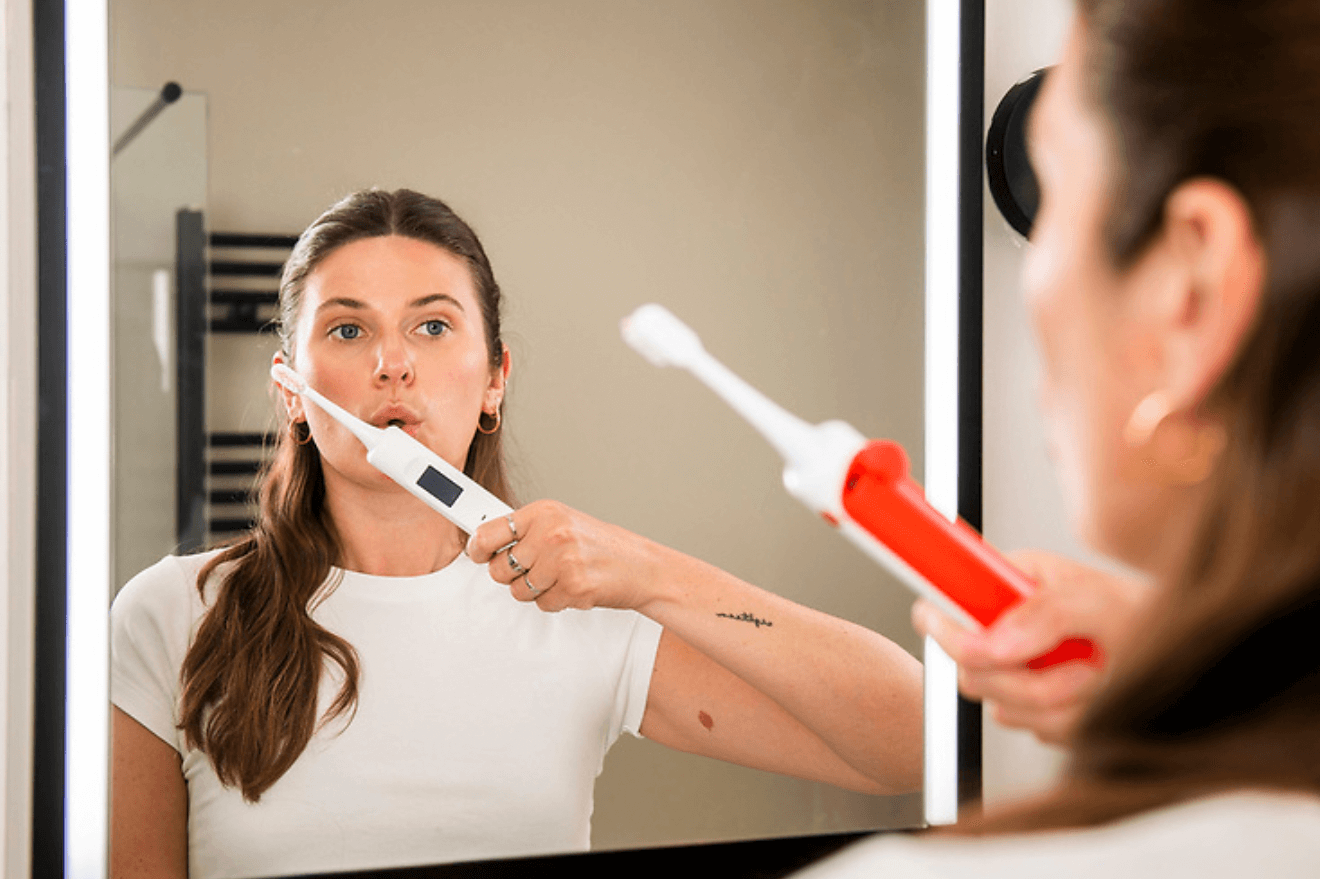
(148, 804)
(742, 674)
(791, 690)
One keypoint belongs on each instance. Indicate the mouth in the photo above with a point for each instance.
(396, 416)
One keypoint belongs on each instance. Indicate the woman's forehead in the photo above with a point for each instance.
(391, 271)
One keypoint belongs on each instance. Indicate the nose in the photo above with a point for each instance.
(393, 362)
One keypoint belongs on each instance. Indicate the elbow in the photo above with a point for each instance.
(902, 749)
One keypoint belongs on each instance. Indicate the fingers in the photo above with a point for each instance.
(495, 536)
(513, 548)
(1037, 690)
(512, 563)
(1053, 727)
(570, 559)
(1034, 627)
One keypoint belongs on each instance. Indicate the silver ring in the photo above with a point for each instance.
(513, 529)
(513, 563)
(506, 547)
(530, 588)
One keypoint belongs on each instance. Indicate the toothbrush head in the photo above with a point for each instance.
(653, 332)
(288, 379)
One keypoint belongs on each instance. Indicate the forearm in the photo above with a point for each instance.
(806, 693)
(855, 690)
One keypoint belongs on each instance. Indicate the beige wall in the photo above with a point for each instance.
(756, 166)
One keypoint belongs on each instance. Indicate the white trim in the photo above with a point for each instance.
(943, 32)
(87, 736)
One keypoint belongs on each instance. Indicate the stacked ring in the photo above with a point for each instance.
(513, 536)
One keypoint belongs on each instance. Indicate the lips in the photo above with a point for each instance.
(395, 414)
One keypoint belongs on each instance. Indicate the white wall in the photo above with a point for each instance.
(1023, 507)
(18, 437)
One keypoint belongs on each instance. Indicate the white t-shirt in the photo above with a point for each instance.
(481, 723)
(1232, 836)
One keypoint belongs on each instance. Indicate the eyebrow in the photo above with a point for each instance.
(421, 302)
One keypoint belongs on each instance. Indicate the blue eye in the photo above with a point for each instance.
(435, 327)
(346, 331)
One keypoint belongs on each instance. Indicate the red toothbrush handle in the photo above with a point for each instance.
(952, 557)
(1070, 650)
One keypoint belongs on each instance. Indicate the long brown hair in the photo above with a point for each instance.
(253, 672)
(1225, 692)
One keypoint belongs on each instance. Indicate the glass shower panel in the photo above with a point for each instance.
(160, 171)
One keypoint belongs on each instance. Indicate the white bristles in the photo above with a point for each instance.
(288, 379)
(294, 383)
(664, 340)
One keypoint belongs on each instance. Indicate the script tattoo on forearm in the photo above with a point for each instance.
(746, 618)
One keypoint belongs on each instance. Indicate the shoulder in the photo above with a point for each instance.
(1238, 834)
(165, 590)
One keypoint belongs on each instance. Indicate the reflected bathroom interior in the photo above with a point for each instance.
(756, 166)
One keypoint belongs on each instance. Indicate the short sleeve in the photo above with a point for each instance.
(151, 624)
(635, 680)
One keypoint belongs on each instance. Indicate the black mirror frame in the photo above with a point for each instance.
(761, 858)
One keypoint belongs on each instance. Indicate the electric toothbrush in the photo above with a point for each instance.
(863, 489)
(439, 484)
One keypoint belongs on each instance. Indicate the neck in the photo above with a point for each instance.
(388, 532)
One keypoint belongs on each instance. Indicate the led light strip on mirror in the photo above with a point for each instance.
(87, 730)
(943, 100)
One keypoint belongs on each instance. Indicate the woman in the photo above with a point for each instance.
(344, 688)
(1174, 284)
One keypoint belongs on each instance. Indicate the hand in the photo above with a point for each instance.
(1073, 601)
(560, 558)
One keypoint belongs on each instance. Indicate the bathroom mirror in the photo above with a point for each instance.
(758, 167)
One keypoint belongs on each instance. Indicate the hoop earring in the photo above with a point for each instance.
(306, 436)
(483, 430)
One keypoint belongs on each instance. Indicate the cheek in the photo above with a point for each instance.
(474, 362)
(1083, 464)
(467, 375)
(1077, 382)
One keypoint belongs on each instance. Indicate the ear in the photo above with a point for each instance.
(1209, 231)
(499, 379)
(292, 402)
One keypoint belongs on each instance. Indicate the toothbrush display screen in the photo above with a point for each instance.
(439, 486)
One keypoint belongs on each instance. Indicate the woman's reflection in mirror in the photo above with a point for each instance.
(355, 683)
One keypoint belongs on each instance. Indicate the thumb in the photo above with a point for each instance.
(1042, 621)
